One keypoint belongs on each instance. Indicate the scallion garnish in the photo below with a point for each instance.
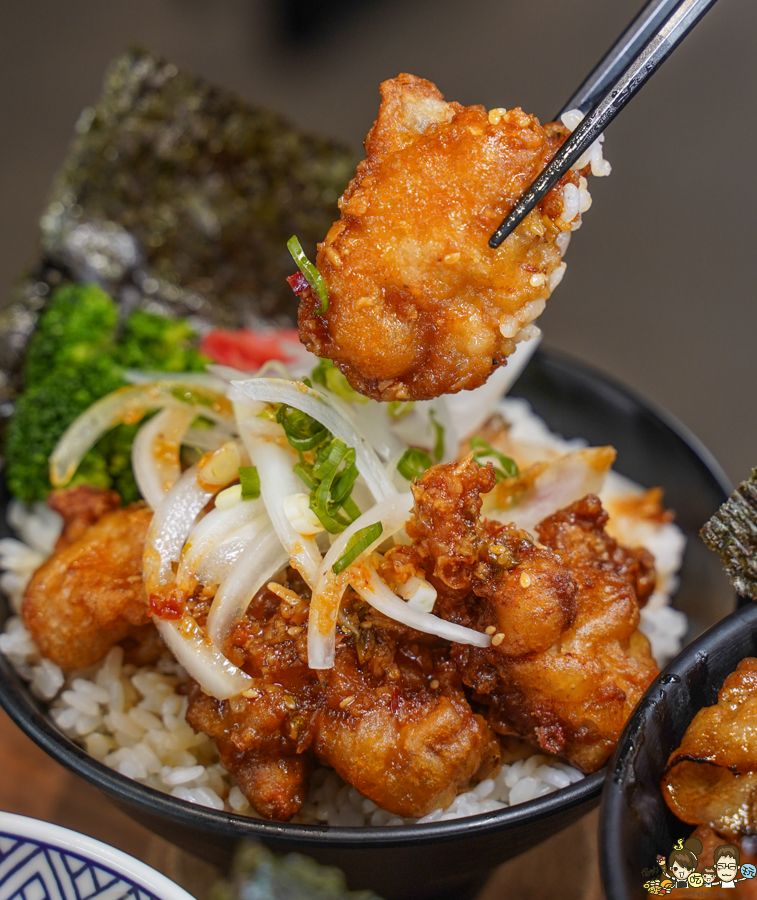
(327, 374)
(250, 481)
(313, 276)
(413, 463)
(483, 450)
(398, 409)
(302, 431)
(355, 546)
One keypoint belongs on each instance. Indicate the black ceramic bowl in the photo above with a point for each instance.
(453, 858)
(636, 825)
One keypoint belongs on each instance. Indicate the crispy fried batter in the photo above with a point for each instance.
(569, 664)
(89, 596)
(711, 779)
(390, 717)
(416, 295)
(80, 507)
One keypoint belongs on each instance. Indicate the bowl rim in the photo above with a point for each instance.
(74, 843)
(664, 688)
(27, 716)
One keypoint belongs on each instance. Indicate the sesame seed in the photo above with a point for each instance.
(363, 302)
(290, 702)
(491, 629)
(334, 257)
(525, 580)
(252, 694)
(293, 630)
(497, 639)
(433, 684)
(346, 702)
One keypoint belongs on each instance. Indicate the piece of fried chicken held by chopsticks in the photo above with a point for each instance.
(418, 304)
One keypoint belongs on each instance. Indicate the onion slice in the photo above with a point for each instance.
(371, 587)
(261, 560)
(127, 405)
(329, 589)
(170, 526)
(155, 452)
(277, 482)
(204, 662)
(320, 406)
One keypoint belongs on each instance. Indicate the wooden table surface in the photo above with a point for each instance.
(34, 785)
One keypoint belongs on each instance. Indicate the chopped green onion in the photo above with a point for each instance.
(413, 463)
(312, 275)
(327, 374)
(250, 481)
(355, 546)
(398, 409)
(302, 431)
(333, 489)
(483, 449)
(439, 442)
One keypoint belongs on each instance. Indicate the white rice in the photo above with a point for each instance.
(133, 720)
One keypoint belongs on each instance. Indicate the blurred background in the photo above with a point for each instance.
(658, 291)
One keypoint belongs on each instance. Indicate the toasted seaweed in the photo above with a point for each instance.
(191, 194)
(732, 533)
(178, 196)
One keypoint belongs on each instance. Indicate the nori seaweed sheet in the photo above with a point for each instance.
(732, 534)
(179, 196)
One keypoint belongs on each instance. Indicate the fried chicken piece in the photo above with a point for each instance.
(252, 741)
(711, 779)
(407, 737)
(80, 507)
(89, 596)
(264, 739)
(419, 304)
(567, 664)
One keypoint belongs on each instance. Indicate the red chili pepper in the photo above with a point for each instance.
(298, 283)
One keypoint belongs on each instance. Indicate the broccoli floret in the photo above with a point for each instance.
(74, 359)
(43, 412)
(155, 342)
(76, 328)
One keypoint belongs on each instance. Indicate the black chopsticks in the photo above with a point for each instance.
(629, 64)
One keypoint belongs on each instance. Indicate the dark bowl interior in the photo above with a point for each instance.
(452, 858)
(636, 825)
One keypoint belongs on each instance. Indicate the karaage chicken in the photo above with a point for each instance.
(418, 304)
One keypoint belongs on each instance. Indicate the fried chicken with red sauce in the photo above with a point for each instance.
(567, 662)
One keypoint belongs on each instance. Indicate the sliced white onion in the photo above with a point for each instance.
(212, 530)
(275, 466)
(261, 560)
(215, 566)
(468, 410)
(155, 452)
(127, 404)
(558, 484)
(418, 593)
(329, 589)
(170, 526)
(195, 651)
(369, 584)
(321, 407)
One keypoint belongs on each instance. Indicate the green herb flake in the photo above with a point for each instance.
(483, 450)
(250, 481)
(413, 463)
(312, 275)
(355, 546)
(398, 409)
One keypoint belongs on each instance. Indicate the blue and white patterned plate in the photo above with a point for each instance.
(40, 861)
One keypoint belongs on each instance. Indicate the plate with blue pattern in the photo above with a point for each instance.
(40, 861)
